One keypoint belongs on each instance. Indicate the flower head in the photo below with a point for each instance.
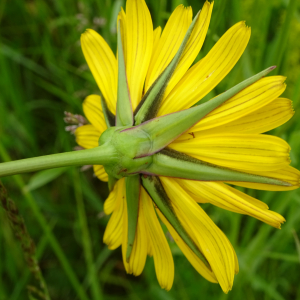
(169, 156)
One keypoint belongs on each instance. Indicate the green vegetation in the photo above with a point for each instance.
(43, 74)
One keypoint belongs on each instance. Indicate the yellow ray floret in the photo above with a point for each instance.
(287, 174)
(270, 116)
(113, 235)
(87, 136)
(250, 99)
(139, 43)
(138, 255)
(209, 238)
(254, 152)
(103, 65)
(200, 79)
(228, 198)
(163, 259)
(93, 111)
(100, 172)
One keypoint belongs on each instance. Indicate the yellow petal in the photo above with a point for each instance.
(249, 100)
(209, 238)
(169, 43)
(110, 202)
(87, 136)
(139, 36)
(93, 111)
(163, 260)
(122, 20)
(255, 152)
(156, 37)
(209, 71)
(288, 174)
(226, 197)
(100, 173)
(114, 231)
(195, 261)
(262, 120)
(102, 64)
(193, 46)
(138, 255)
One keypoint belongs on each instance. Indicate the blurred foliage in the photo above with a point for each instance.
(43, 74)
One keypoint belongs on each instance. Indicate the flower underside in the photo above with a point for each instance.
(160, 131)
(162, 151)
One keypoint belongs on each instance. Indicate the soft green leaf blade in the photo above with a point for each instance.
(124, 114)
(161, 199)
(149, 105)
(133, 187)
(43, 177)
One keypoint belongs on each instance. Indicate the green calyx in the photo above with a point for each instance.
(125, 147)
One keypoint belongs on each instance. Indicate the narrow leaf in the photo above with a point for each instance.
(124, 110)
(132, 199)
(149, 105)
(176, 164)
(163, 130)
(43, 177)
(161, 199)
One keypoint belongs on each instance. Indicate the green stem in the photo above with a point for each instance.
(95, 156)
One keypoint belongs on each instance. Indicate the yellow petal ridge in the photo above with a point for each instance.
(200, 79)
(226, 197)
(209, 238)
(110, 202)
(87, 136)
(93, 111)
(139, 43)
(100, 172)
(254, 152)
(287, 174)
(103, 65)
(113, 235)
(169, 43)
(250, 99)
(138, 255)
(163, 259)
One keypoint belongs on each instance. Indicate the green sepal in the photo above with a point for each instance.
(172, 163)
(109, 117)
(124, 114)
(133, 188)
(111, 182)
(237, 88)
(149, 105)
(158, 194)
(163, 130)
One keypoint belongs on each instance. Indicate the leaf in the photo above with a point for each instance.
(41, 178)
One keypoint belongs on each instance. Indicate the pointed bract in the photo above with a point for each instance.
(132, 199)
(124, 114)
(149, 105)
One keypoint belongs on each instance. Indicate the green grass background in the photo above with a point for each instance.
(43, 74)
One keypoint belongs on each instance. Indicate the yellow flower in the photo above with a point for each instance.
(230, 136)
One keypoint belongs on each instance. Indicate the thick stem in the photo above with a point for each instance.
(97, 156)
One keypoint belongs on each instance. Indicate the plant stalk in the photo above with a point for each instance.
(95, 156)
